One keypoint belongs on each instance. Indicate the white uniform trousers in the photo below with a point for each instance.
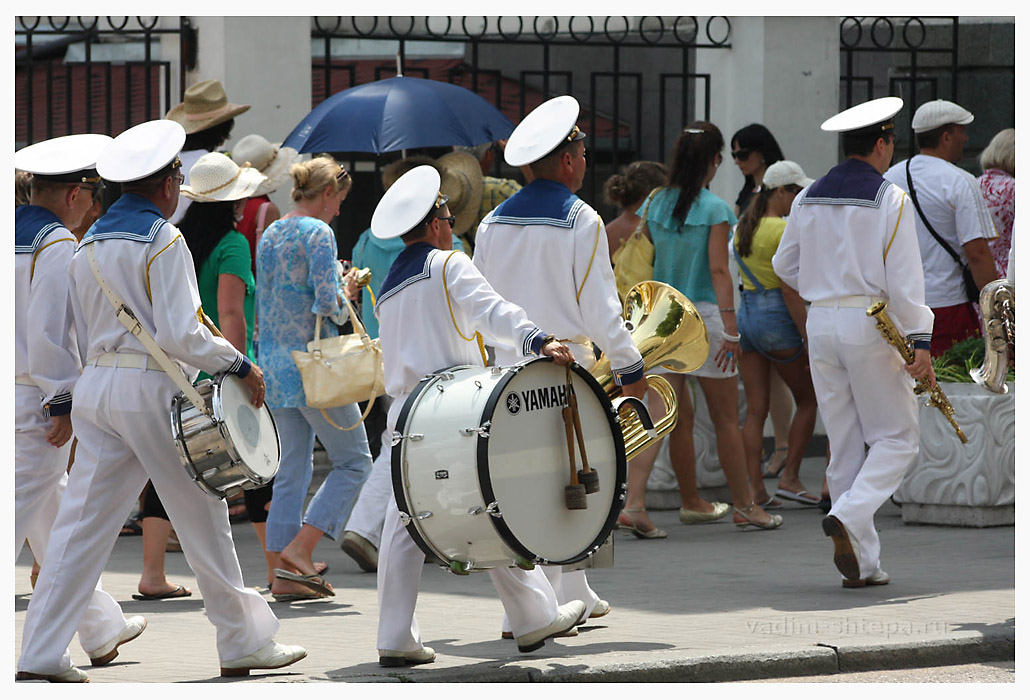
(39, 482)
(122, 422)
(865, 398)
(526, 595)
(568, 586)
(369, 512)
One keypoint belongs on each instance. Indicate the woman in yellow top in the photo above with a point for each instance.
(771, 323)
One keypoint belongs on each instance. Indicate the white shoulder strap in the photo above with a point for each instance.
(132, 324)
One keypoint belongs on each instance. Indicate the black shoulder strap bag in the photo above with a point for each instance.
(972, 291)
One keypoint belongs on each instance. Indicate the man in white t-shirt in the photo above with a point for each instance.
(949, 199)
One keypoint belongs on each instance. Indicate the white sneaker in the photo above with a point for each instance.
(71, 675)
(601, 608)
(388, 657)
(134, 627)
(272, 655)
(565, 620)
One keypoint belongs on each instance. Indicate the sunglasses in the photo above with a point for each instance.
(742, 154)
(448, 219)
(343, 174)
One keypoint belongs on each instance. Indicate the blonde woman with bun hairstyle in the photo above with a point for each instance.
(298, 279)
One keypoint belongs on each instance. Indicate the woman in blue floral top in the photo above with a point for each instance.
(298, 278)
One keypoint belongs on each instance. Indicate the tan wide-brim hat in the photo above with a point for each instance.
(271, 159)
(215, 178)
(203, 106)
(463, 184)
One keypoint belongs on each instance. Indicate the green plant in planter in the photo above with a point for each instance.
(956, 362)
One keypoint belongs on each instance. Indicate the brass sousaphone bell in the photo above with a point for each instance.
(669, 332)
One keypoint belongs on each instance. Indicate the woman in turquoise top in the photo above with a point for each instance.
(690, 228)
(299, 278)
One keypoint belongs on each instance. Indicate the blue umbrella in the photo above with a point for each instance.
(399, 113)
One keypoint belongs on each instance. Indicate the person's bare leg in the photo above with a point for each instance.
(155, 537)
(271, 560)
(296, 557)
(798, 379)
(781, 408)
(754, 372)
(639, 471)
(681, 448)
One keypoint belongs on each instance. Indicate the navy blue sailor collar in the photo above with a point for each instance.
(411, 266)
(132, 218)
(852, 182)
(32, 224)
(540, 203)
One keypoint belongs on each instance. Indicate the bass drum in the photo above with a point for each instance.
(481, 462)
(237, 445)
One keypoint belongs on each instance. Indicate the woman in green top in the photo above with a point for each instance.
(771, 321)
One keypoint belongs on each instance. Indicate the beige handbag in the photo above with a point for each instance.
(341, 370)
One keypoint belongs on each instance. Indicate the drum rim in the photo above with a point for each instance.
(223, 428)
(483, 468)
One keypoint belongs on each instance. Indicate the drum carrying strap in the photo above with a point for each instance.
(132, 324)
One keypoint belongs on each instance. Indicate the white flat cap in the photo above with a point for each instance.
(937, 113)
(62, 156)
(407, 203)
(543, 130)
(875, 115)
(141, 151)
(785, 172)
(216, 178)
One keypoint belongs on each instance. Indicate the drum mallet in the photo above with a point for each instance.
(587, 476)
(575, 492)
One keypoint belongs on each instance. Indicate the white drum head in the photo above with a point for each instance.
(251, 430)
(527, 463)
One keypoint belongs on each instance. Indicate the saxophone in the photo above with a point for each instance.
(998, 305)
(890, 332)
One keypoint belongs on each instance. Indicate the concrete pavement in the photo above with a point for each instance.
(710, 603)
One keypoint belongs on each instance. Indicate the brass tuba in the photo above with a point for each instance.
(998, 306)
(669, 332)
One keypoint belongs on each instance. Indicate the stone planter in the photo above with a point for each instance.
(971, 485)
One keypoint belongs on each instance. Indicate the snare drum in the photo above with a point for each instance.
(237, 445)
(480, 465)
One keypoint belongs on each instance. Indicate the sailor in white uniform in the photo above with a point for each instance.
(64, 183)
(850, 241)
(414, 295)
(563, 279)
(121, 417)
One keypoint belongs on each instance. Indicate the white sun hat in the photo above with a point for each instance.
(271, 159)
(936, 113)
(785, 172)
(141, 151)
(875, 115)
(543, 130)
(216, 178)
(407, 203)
(65, 158)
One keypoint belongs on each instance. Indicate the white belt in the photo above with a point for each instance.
(852, 302)
(121, 360)
(24, 380)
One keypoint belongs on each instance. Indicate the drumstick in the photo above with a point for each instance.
(575, 492)
(588, 477)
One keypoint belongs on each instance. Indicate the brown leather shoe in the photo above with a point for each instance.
(843, 552)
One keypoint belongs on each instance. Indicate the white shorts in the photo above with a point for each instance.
(713, 324)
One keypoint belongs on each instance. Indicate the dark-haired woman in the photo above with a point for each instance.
(627, 191)
(690, 228)
(771, 320)
(754, 149)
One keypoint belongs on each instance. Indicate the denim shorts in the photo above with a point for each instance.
(765, 324)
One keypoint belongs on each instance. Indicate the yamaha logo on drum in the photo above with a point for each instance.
(513, 402)
(534, 399)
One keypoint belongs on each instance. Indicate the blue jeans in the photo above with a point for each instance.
(765, 324)
(331, 505)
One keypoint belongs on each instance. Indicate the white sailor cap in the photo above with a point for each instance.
(407, 203)
(876, 116)
(65, 158)
(543, 130)
(936, 113)
(142, 151)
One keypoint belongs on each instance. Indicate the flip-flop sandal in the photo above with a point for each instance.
(179, 591)
(312, 581)
(802, 497)
(292, 597)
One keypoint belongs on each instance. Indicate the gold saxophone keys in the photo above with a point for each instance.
(889, 331)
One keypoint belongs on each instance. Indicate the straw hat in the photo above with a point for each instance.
(407, 203)
(463, 184)
(272, 160)
(215, 178)
(204, 105)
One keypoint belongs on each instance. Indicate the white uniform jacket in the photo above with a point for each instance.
(44, 351)
(419, 327)
(851, 233)
(153, 274)
(546, 250)
(952, 202)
